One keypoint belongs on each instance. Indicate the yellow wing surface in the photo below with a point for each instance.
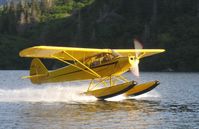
(80, 53)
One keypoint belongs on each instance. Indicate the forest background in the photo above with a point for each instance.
(169, 24)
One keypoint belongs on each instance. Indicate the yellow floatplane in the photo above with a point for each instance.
(104, 67)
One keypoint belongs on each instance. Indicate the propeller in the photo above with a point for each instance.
(133, 60)
(135, 66)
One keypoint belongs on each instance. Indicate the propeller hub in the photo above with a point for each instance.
(133, 61)
(134, 65)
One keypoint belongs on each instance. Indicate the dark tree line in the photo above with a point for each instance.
(169, 24)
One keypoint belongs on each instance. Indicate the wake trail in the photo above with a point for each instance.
(59, 93)
(50, 93)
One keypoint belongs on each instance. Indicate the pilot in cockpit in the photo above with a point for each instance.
(106, 58)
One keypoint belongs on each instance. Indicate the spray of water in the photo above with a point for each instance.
(49, 93)
(58, 93)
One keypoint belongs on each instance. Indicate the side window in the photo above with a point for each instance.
(98, 59)
(106, 58)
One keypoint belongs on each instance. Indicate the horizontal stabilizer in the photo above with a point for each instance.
(33, 76)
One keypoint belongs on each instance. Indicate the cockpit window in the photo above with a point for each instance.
(98, 59)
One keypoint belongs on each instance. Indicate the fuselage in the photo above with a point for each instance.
(114, 67)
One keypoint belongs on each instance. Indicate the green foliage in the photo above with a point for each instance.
(168, 24)
(63, 9)
(10, 47)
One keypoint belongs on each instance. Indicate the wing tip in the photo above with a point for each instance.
(24, 52)
(162, 50)
(21, 53)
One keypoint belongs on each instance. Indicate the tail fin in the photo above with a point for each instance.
(37, 71)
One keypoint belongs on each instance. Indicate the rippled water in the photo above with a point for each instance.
(173, 104)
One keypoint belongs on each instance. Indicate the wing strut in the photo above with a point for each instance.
(90, 71)
(73, 65)
(83, 64)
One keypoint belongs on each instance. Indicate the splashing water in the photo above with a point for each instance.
(58, 93)
(49, 93)
(16, 90)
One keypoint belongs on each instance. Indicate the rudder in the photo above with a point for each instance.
(37, 70)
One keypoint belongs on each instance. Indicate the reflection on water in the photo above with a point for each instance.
(173, 104)
(101, 114)
(94, 114)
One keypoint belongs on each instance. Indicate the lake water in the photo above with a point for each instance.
(173, 104)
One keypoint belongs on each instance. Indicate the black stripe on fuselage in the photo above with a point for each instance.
(86, 69)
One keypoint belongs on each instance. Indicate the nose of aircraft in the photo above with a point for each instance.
(133, 61)
(134, 65)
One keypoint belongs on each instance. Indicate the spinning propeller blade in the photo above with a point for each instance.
(135, 68)
(137, 44)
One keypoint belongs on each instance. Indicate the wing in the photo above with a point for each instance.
(81, 53)
(143, 52)
(52, 51)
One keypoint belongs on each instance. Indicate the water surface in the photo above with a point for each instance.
(173, 104)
